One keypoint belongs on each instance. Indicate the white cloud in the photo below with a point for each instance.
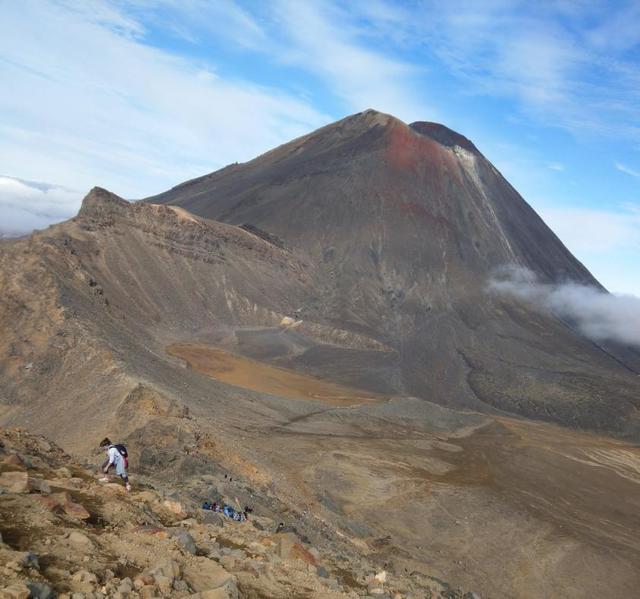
(325, 40)
(322, 39)
(561, 62)
(597, 314)
(502, 51)
(556, 166)
(195, 21)
(27, 205)
(90, 104)
(627, 170)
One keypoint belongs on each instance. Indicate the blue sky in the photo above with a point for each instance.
(139, 95)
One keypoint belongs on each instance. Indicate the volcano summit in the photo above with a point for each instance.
(319, 323)
(402, 228)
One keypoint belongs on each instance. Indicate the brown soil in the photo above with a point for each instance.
(187, 556)
(515, 508)
(510, 508)
(257, 376)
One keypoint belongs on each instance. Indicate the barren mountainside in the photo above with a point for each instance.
(402, 227)
(317, 326)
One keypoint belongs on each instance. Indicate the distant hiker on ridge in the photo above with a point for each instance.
(116, 456)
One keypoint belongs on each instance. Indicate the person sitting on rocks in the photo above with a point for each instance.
(116, 456)
(236, 515)
(214, 507)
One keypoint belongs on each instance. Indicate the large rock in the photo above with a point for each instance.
(164, 584)
(212, 518)
(183, 538)
(80, 541)
(16, 460)
(40, 485)
(147, 496)
(40, 590)
(144, 401)
(15, 591)
(62, 501)
(290, 547)
(148, 592)
(15, 482)
(114, 489)
(167, 568)
(21, 482)
(204, 574)
(176, 508)
(49, 503)
(64, 472)
(84, 581)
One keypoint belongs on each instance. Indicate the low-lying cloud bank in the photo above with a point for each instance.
(597, 314)
(27, 205)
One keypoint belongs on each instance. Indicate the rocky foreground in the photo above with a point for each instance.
(64, 534)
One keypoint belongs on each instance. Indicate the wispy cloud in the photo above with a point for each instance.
(570, 65)
(361, 76)
(29, 205)
(124, 113)
(627, 170)
(598, 315)
(91, 103)
(329, 43)
(195, 21)
(556, 166)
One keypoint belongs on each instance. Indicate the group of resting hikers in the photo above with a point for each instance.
(118, 458)
(228, 511)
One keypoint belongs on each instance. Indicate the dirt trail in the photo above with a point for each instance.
(257, 376)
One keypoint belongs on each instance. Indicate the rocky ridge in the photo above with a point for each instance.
(64, 534)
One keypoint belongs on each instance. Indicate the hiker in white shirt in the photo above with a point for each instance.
(116, 456)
